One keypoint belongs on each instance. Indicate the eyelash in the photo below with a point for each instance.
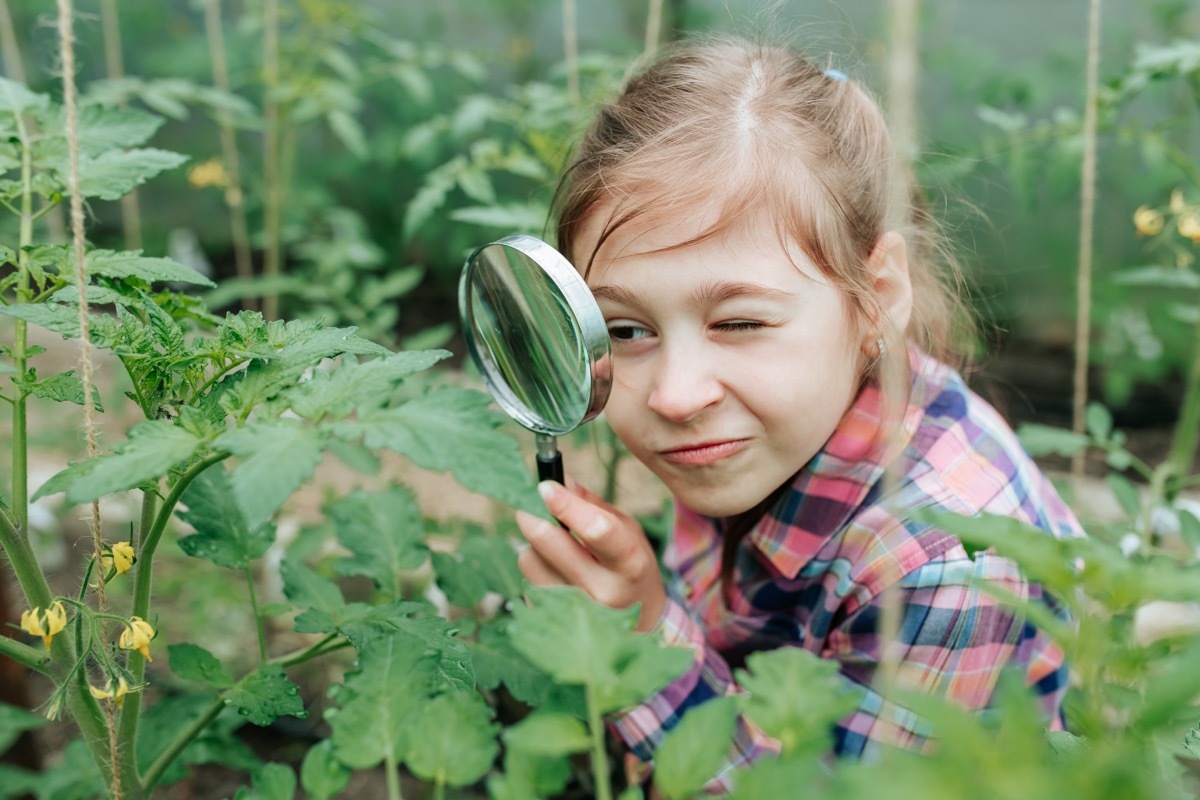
(739, 325)
(733, 326)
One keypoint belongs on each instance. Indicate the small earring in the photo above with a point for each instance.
(882, 349)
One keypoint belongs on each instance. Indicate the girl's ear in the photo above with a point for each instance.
(888, 266)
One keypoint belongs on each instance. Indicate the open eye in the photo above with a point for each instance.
(623, 331)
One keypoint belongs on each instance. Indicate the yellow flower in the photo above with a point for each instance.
(45, 624)
(1147, 221)
(1189, 226)
(137, 636)
(1177, 201)
(110, 693)
(208, 173)
(122, 557)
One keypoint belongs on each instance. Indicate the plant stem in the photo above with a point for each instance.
(258, 620)
(599, 755)
(1187, 430)
(142, 583)
(24, 565)
(274, 199)
(571, 50)
(25, 655)
(131, 215)
(439, 788)
(391, 771)
(20, 454)
(181, 740)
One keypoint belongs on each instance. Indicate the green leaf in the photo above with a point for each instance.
(380, 699)
(694, 752)
(277, 457)
(51, 316)
(477, 186)
(115, 173)
(548, 733)
(496, 660)
(1042, 440)
(384, 531)
(453, 429)
(193, 663)
(132, 264)
(265, 695)
(495, 559)
(578, 641)
(323, 776)
(16, 99)
(1128, 496)
(306, 589)
(1098, 421)
(64, 387)
(14, 721)
(152, 449)
(349, 132)
(771, 777)
(452, 740)
(508, 217)
(222, 535)
(350, 386)
(100, 128)
(464, 587)
(796, 697)
(270, 782)
(1189, 529)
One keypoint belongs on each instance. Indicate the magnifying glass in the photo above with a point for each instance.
(538, 338)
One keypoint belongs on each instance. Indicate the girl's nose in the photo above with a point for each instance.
(684, 385)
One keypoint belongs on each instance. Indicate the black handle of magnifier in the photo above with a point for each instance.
(550, 467)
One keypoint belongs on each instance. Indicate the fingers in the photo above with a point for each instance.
(557, 549)
(537, 570)
(610, 536)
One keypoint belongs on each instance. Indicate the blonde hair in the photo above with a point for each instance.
(756, 127)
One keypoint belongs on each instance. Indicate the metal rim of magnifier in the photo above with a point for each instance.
(585, 315)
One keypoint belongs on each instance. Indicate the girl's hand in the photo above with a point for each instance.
(605, 552)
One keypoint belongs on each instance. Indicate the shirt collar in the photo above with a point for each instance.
(833, 485)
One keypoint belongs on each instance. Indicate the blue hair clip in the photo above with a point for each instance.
(836, 74)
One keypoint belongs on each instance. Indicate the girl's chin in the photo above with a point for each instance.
(718, 501)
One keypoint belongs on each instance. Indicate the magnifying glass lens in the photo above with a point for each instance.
(533, 353)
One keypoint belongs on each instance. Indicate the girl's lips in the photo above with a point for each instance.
(703, 455)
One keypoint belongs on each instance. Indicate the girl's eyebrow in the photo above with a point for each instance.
(708, 294)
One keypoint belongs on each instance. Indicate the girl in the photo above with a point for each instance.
(781, 333)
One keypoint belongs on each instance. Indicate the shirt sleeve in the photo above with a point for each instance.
(952, 639)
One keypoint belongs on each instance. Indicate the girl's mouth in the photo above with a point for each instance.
(703, 454)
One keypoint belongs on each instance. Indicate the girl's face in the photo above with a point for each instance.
(734, 359)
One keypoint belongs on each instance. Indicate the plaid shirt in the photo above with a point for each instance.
(813, 571)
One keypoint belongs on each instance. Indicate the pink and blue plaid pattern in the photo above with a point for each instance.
(818, 569)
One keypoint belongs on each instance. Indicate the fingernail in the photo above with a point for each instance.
(547, 489)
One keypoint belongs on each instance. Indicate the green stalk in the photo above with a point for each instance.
(391, 771)
(135, 663)
(599, 755)
(25, 655)
(439, 788)
(24, 565)
(1187, 430)
(271, 177)
(258, 620)
(20, 456)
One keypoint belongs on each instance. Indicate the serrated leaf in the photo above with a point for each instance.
(270, 782)
(384, 532)
(193, 663)
(151, 451)
(265, 695)
(796, 697)
(64, 388)
(578, 641)
(277, 457)
(132, 264)
(323, 776)
(393, 680)
(548, 733)
(101, 128)
(496, 660)
(306, 589)
(51, 316)
(16, 99)
(222, 535)
(452, 741)
(495, 559)
(338, 393)
(696, 749)
(770, 777)
(14, 721)
(453, 429)
(453, 667)
(464, 587)
(113, 174)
